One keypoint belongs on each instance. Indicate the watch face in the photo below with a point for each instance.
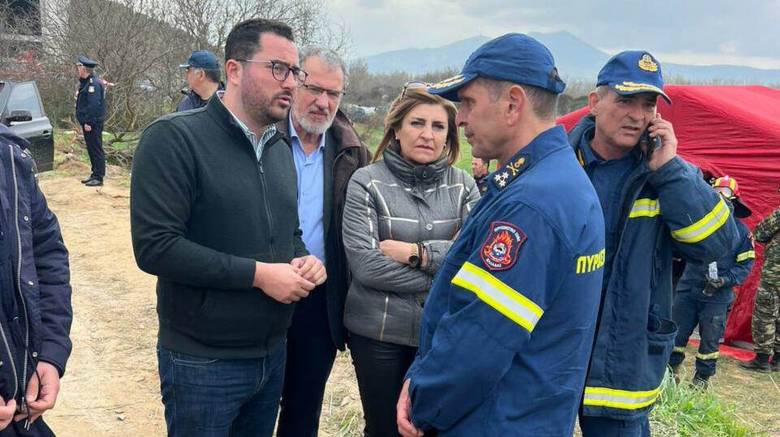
(414, 261)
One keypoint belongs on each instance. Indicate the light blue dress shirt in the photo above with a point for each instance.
(311, 180)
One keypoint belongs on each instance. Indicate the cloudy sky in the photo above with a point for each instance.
(744, 32)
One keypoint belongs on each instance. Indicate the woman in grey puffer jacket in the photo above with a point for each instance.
(400, 217)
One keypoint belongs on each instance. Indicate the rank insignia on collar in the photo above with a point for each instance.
(501, 179)
(647, 63)
(499, 252)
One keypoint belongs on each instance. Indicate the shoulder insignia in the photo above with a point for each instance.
(499, 252)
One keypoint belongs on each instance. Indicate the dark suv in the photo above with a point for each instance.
(21, 109)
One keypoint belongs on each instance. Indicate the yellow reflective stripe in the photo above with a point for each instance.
(746, 255)
(704, 227)
(710, 356)
(619, 399)
(645, 208)
(680, 349)
(499, 296)
(580, 158)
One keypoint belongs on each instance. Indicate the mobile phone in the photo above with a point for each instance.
(652, 143)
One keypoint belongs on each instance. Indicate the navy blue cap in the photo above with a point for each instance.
(202, 59)
(513, 57)
(86, 62)
(633, 72)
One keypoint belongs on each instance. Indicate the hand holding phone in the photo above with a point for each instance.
(661, 144)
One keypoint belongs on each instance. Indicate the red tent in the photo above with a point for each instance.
(735, 131)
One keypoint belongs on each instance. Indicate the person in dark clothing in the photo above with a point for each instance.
(480, 170)
(214, 216)
(655, 204)
(91, 113)
(326, 151)
(705, 292)
(202, 74)
(35, 308)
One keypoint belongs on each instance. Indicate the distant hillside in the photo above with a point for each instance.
(575, 58)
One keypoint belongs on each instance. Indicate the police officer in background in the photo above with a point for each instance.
(202, 74)
(508, 325)
(654, 202)
(705, 292)
(90, 113)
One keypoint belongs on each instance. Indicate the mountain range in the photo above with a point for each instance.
(576, 60)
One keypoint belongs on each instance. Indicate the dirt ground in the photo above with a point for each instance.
(111, 387)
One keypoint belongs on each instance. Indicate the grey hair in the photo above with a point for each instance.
(331, 58)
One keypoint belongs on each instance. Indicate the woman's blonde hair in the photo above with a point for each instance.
(403, 104)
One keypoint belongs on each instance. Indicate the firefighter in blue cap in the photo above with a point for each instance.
(508, 325)
(705, 292)
(90, 113)
(654, 202)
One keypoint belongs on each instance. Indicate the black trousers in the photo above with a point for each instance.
(380, 369)
(94, 140)
(37, 429)
(310, 356)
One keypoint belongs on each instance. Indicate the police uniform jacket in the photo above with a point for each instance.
(508, 326)
(90, 107)
(35, 308)
(734, 268)
(670, 209)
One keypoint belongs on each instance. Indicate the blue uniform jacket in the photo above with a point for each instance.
(670, 209)
(90, 106)
(734, 268)
(35, 314)
(508, 326)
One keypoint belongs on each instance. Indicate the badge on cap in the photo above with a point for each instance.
(502, 246)
(646, 63)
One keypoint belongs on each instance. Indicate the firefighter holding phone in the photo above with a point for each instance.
(654, 202)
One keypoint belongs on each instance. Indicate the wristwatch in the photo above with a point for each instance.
(415, 258)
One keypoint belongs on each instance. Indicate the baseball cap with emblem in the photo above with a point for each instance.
(633, 72)
(86, 62)
(201, 59)
(513, 57)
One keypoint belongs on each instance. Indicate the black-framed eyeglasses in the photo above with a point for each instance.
(280, 71)
(415, 85)
(316, 91)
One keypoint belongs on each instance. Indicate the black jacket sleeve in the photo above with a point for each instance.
(163, 189)
(52, 268)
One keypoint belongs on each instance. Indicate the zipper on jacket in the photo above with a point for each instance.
(19, 278)
(19, 249)
(267, 208)
(384, 319)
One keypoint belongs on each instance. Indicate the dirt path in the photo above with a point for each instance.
(111, 386)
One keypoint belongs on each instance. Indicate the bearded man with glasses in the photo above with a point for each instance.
(214, 217)
(326, 150)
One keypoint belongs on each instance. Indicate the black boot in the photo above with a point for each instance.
(700, 381)
(776, 362)
(760, 363)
